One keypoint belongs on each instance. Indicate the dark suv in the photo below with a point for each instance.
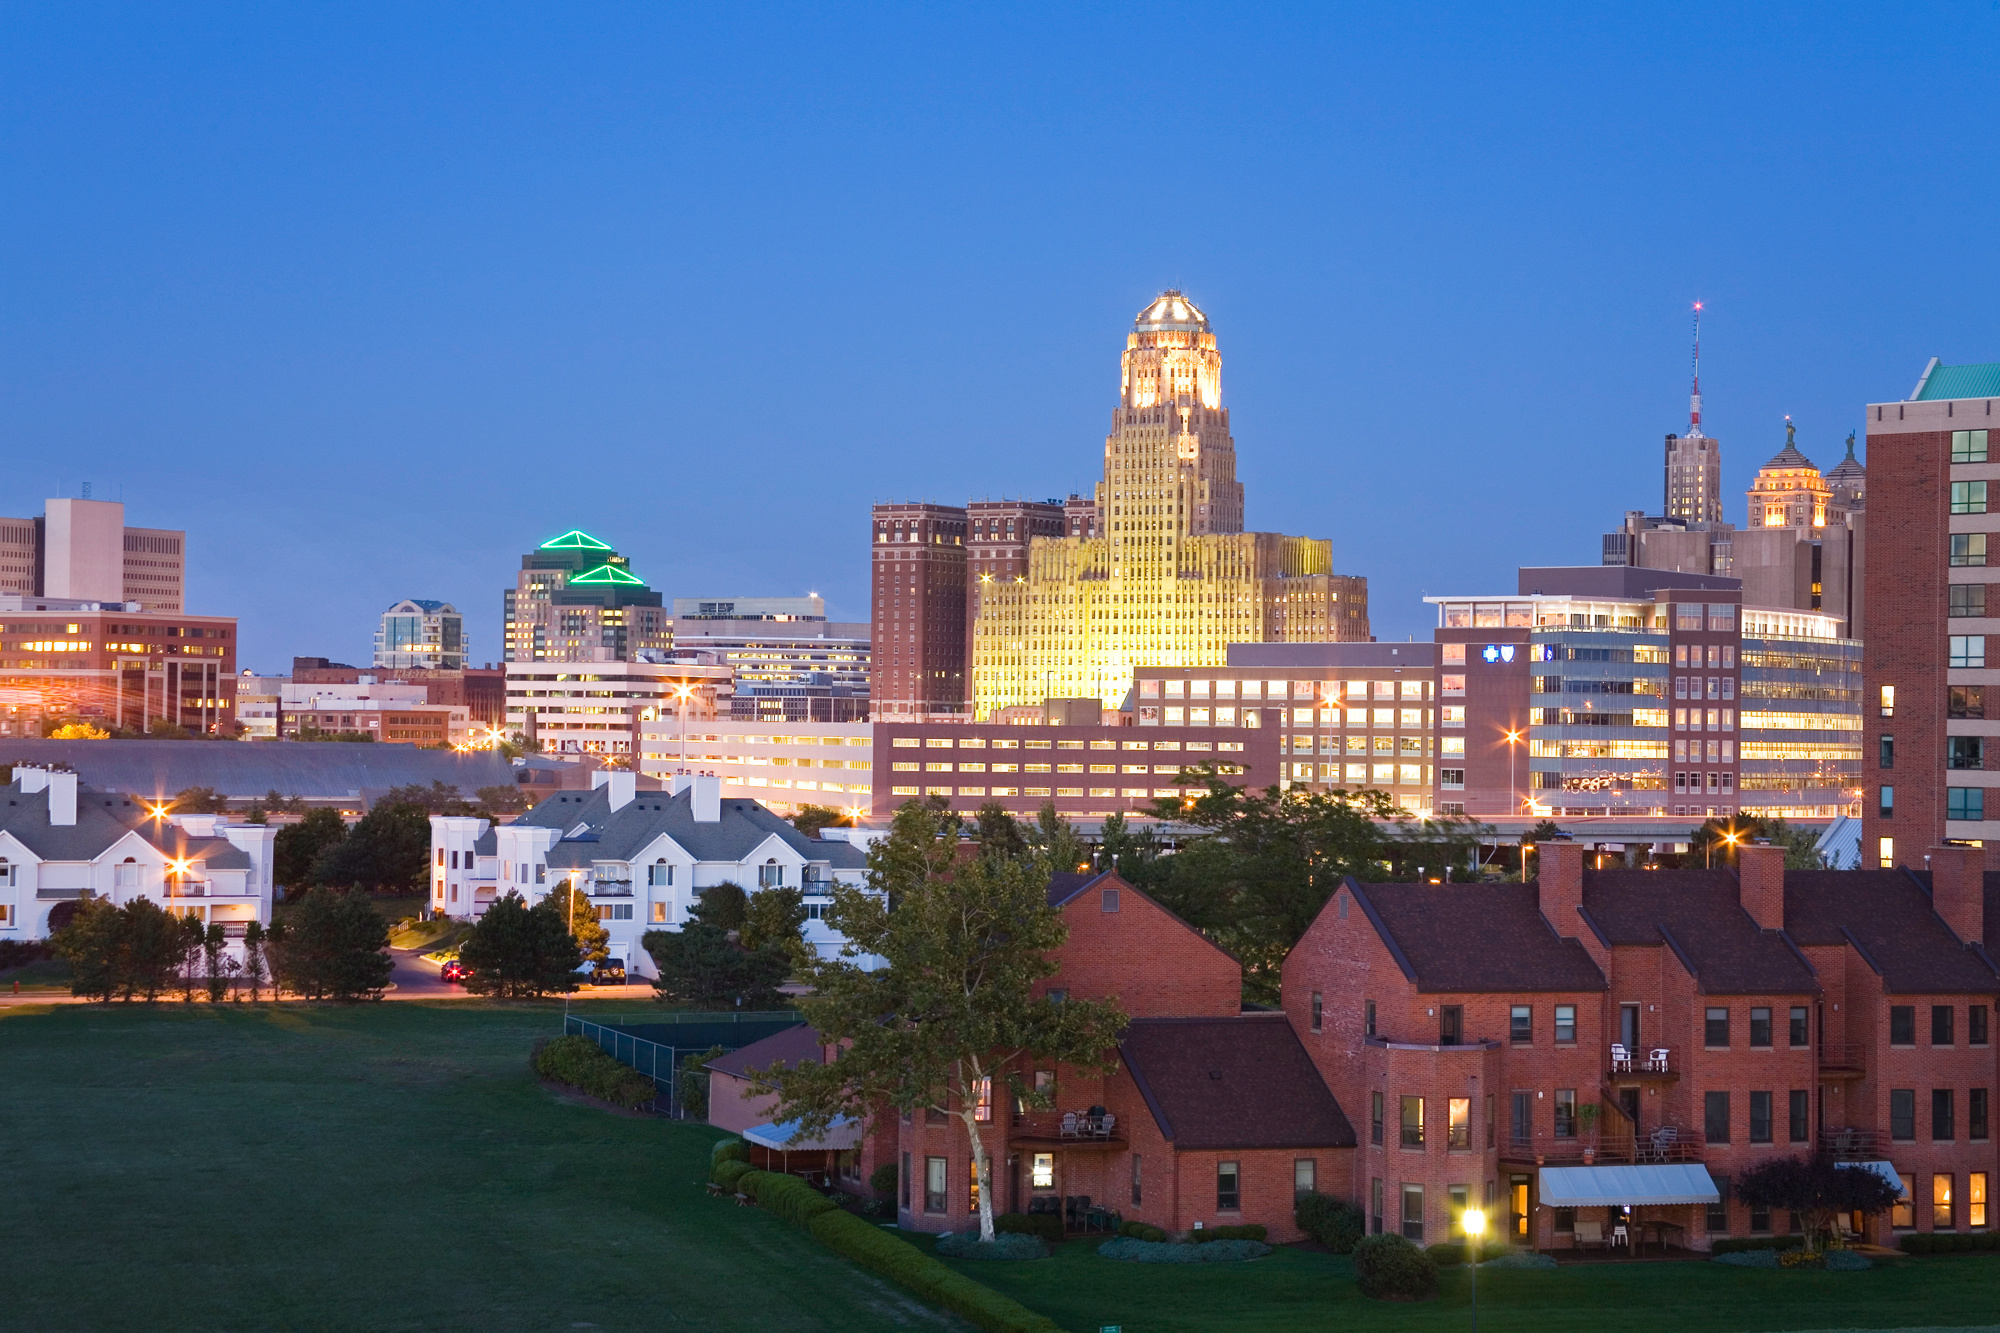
(610, 972)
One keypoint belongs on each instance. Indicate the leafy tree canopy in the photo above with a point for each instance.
(199, 801)
(579, 917)
(810, 819)
(299, 846)
(387, 851)
(519, 952)
(330, 947)
(702, 968)
(1816, 1188)
(723, 906)
(774, 916)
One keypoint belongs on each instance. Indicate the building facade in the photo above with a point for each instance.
(117, 666)
(919, 604)
(996, 544)
(83, 551)
(786, 668)
(577, 600)
(395, 714)
(599, 707)
(782, 765)
(1933, 616)
(1173, 579)
(418, 632)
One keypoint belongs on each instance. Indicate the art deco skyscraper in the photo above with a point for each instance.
(1171, 578)
(1694, 460)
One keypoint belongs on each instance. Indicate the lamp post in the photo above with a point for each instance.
(1474, 1223)
(1513, 786)
(683, 693)
(1729, 838)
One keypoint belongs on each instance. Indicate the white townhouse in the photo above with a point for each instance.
(62, 842)
(644, 858)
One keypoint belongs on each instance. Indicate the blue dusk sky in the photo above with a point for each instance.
(371, 300)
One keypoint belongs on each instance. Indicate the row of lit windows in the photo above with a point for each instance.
(1135, 769)
(1007, 743)
(1135, 792)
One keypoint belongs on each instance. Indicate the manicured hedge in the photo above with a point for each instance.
(1451, 1253)
(1251, 1232)
(1387, 1266)
(910, 1268)
(1046, 1225)
(577, 1061)
(1155, 1252)
(1334, 1223)
(1142, 1231)
(730, 1174)
(785, 1196)
(729, 1150)
(1744, 1244)
(1949, 1242)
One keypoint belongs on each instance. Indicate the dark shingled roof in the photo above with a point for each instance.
(317, 771)
(1887, 914)
(1222, 1083)
(1068, 884)
(1475, 937)
(102, 818)
(1699, 915)
(794, 1046)
(593, 831)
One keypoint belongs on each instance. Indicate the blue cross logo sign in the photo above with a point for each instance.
(1498, 652)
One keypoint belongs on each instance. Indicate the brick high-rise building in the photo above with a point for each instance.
(919, 597)
(82, 550)
(1932, 616)
(996, 547)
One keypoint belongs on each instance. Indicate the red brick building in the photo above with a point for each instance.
(920, 631)
(1502, 1045)
(118, 667)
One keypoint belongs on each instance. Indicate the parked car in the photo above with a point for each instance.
(456, 971)
(610, 972)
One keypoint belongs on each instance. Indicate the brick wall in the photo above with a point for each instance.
(1149, 960)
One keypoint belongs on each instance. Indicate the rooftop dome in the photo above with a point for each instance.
(1849, 466)
(1789, 456)
(1171, 311)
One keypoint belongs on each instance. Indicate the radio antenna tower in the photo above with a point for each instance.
(1694, 394)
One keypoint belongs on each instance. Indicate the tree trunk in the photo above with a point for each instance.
(981, 1170)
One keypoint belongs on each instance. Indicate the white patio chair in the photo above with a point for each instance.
(1069, 1124)
(1621, 1059)
(1657, 1061)
(1106, 1123)
(1589, 1234)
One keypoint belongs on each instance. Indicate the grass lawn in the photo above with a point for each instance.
(42, 974)
(383, 1167)
(1305, 1293)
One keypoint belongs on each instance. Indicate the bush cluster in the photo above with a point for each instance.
(882, 1181)
(910, 1268)
(1522, 1259)
(1046, 1225)
(577, 1061)
(18, 953)
(1157, 1252)
(786, 1197)
(1389, 1267)
(1250, 1232)
(730, 1175)
(1801, 1258)
(1004, 1245)
(1334, 1223)
(1741, 1244)
(1451, 1253)
(1749, 1259)
(729, 1150)
(1949, 1242)
(1141, 1231)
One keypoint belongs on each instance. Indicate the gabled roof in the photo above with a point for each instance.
(1222, 1083)
(102, 819)
(1068, 884)
(1699, 915)
(1475, 937)
(794, 1046)
(1887, 916)
(593, 831)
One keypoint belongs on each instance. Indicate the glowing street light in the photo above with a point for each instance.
(1474, 1223)
(1513, 739)
(1731, 837)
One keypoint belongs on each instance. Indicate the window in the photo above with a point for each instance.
(1715, 1116)
(1138, 1182)
(1967, 599)
(1565, 1023)
(1968, 446)
(1976, 1127)
(1968, 497)
(1305, 1175)
(1058, 995)
(982, 1105)
(1413, 1212)
(1941, 1216)
(1903, 1114)
(1760, 1027)
(1799, 1034)
(1941, 1024)
(1107, 901)
(1964, 752)
(1413, 1122)
(1885, 752)
(934, 1196)
(1975, 1025)
(1965, 802)
(1565, 1113)
(1760, 1117)
(1903, 1213)
(1368, 1018)
(1944, 1122)
(659, 875)
(1375, 1206)
(972, 1187)
(1718, 1210)
(1888, 707)
(1522, 1119)
(1042, 1171)
(1451, 1024)
(1967, 650)
(659, 913)
(1521, 1024)
(1375, 1117)
(1457, 1198)
(1968, 548)
(903, 1179)
(1885, 802)
(1799, 1128)
(1715, 1028)
(1902, 1025)
(1318, 1011)
(770, 875)
(1228, 1188)
(1965, 701)
(1458, 1123)
(1975, 1199)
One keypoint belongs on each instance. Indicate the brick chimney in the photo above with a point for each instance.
(1760, 876)
(1560, 879)
(1958, 890)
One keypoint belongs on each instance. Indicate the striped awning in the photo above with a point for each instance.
(783, 1136)
(1626, 1186)
(1882, 1169)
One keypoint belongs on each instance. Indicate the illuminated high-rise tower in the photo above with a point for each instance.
(1694, 460)
(1171, 578)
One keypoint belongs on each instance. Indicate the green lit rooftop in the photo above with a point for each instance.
(1942, 381)
(575, 540)
(608, 574)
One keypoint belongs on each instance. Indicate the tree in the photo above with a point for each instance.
(503, 799)
(810, 819)
(199, 801)
(187, 954)
(701, 967)
(89, 942)
(940, 1028)
(1056, 841)
(722, 906)
(299, 847)
(1716, 841)
(923, 844)
(520, 952)
(149, 949)
(78, 731)
(440, 798)
(579, 918)
(215, 963)
(691, 1088)
(774, 916)
(1801, 845)
(253, 958)
(331, 948)
(388, 851)
(997, 832)
(1816, 1188)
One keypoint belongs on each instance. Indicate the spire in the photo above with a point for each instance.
(1694, 394)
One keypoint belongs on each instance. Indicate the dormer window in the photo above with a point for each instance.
(770, 875)
(659, 875)
(124, 876)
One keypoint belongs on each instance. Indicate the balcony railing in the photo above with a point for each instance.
(1641, 1060)
(611, 888)
(1663, 1143)
(1854, 1145)
(1078, 1127)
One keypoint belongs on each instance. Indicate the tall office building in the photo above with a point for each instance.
(577, 600)
(919, 595)
(996, 547)
(81, 550)
(1173, 578)
(1933, 618)
(418, 632)
(790, 662)
(1694, 460)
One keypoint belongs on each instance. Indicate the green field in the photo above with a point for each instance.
(394, 1166)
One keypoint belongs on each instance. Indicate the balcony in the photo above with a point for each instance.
(1841, 1060)
(1068, 1129)
(1854, 1145)
(611, 888)
(1664, 1143)
(1651, 1064)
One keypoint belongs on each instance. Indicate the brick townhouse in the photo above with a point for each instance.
(1213, 1116)
(1511, 1045)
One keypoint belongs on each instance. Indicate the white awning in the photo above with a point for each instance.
(841, 1135)
(1623, 1186)
(1882, 1169)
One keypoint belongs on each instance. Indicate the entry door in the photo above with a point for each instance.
(1517, 1206)
(1628, 1029)
(1628, 1102)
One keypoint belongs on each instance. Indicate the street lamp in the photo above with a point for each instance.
(684, 693)
(1729, 837)
(1513, 738)
(1474, 1223)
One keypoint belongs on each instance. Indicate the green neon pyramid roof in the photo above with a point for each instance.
(575, 540)
(608, 574)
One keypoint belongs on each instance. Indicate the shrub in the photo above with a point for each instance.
(1749, 1258)
(729, 1150)
(1141, 1231)
(17, 953)
(1847, 1261)
(577, 1061)
(1743, 1244)
(1949, 1242)
(730, 1174)
(1800, 1258)
(1521, 1259)
(1334, 1223)
(786, 1197)
(1250, 1232)
(1046, 1225)
(1006, 1245)
(904, 1264)
(882, 1181)
(1156, 1252)
(1451, 1253)
(1390, 1268)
